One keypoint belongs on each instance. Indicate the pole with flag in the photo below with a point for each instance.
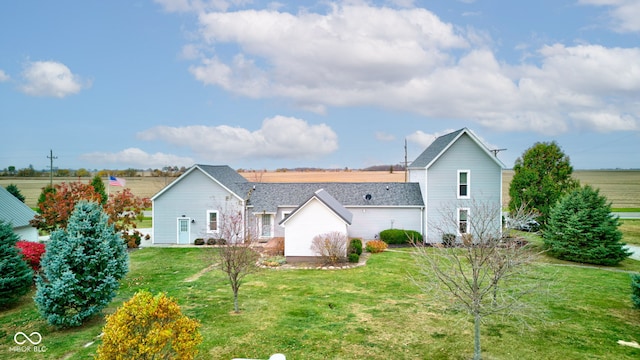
(115, 181)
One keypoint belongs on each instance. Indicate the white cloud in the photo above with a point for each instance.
(423, 140)
(3, 76)
(279, 137)
(410, 60)
(624, 14)
(50, 78)
(385, 137)
(137, 158)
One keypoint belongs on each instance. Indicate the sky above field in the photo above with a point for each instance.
(282, 84)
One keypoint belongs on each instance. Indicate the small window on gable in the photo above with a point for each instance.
(285, 214)
(212, 221)
(463, 221)
(464, 177)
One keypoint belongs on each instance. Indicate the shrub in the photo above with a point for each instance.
(277, 247)
(448, 240)
(354, 257)
(376, 246)
(81, 267)
(331, 247)
(635, 290)
(355, 246)
(198, 241)
(581, 228)
(16, 277)
(149, 327)
(400, 236)
(31, 253)
(211, 241)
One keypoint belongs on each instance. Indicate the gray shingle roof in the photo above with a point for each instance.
(268, 197)
(436, 147)
(331, 203)
(14, 211)
(226, 176)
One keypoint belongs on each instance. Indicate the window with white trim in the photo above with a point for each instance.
(464, 181)
(285, 214)
(463, 220)
(212, 220)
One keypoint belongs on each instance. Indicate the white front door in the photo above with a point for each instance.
(266, 225)
(183, 230)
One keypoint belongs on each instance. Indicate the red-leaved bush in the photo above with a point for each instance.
(31, 252)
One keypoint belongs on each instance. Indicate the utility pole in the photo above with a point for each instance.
(51, 158)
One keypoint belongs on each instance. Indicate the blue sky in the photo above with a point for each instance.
(266, 84)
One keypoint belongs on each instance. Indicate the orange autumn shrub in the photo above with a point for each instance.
(376, 246)
(149, 327)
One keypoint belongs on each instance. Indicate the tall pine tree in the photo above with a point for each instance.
(98, 185)
(581, 228)
(16, 276)
(81, 268)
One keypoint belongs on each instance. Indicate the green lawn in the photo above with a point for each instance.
(631, 231)
(370, 312)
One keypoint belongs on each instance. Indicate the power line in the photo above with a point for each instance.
(51, 158)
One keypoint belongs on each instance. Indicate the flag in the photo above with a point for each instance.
(115, 181)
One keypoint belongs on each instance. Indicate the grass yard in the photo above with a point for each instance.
(370, 312)
(631, 231)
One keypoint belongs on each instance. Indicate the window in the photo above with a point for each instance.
(212, 221)
(463, 184)
(265, 225)
(463, 220)
(285, 214)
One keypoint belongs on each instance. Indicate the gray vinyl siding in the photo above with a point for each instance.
(369, 221)
(441, 187)
(192, 196)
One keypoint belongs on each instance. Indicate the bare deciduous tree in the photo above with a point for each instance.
(484, 272)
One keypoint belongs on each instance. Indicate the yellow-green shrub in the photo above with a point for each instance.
(149, 327)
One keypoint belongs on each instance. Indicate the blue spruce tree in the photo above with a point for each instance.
(16, 276)
(81, 268)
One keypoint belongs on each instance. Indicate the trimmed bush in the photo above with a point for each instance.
(16, 277)
(376, 246)
(355, 246)
(635, 290)
(211, 241)
(354, 258)
(31, 253)
(448, 240)
(400, 236)
(198, 241)
(149, 327)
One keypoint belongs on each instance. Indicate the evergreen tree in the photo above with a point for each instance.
(16, 276)
(98, 185)
(13, 189)
(541, 177)
(43, 196)
(81, 267)
(581, 228)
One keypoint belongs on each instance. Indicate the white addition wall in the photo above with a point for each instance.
(314, 218)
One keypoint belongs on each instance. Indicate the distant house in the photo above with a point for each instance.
(18, 214)
(454, 169)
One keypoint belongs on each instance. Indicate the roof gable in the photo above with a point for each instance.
(330, 202)
(14, 211)
(440, 145)
(221, 174)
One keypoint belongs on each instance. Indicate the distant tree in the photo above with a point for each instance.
(13, 189)
(12, 169)
(16, 276)
(82, 172)
(63, 173)
(27, 172)
(123, 208)
(98, 186)
(81, 267)
(57, 205)
(541, 176)
(149, 327)
(581, 228)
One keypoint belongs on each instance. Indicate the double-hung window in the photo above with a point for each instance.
(463, 221)
(464, 181)
(212, 221)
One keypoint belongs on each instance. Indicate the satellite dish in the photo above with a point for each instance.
(367, 197)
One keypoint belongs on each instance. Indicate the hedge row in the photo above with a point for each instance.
(400, 236)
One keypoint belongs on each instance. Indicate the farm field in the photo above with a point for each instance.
(622, 188)
(370, 312)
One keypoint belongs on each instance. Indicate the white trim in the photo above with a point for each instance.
(217, 230)
(458, 211)
(468, 196)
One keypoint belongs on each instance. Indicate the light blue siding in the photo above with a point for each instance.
(441, 184)
(190, 197)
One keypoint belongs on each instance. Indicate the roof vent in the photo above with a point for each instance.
(367, 197)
